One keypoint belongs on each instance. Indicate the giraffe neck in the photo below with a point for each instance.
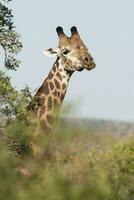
(50, 95)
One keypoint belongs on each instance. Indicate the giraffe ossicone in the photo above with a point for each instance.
(72, 55)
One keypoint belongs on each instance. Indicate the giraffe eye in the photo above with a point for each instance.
(66, 51)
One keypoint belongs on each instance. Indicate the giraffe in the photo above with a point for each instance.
(72, 55)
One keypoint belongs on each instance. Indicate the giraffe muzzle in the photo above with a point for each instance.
(90, 66)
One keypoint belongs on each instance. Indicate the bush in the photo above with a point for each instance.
(68, 165)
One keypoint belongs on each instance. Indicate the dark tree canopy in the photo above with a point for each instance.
(9, 39)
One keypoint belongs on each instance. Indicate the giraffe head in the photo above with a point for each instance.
(72, 51)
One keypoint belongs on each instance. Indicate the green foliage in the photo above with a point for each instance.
(18, 138)
(70, 164)
(13, 103)
(122, 174)
(9, 39)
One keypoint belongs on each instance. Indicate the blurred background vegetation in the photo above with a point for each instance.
(79, 160)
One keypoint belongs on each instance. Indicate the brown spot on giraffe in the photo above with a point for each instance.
(46, 89)
(40, 90)
(55, 67)
(63, 86)
(58, 94)
(62, 96)
(59, 76)
(57, 83)
(49, 103)
(51, 75)
(51, 85)
(55, 93)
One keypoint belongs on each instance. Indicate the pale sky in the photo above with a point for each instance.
(106, 27)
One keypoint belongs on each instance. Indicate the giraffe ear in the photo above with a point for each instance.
(50, 52)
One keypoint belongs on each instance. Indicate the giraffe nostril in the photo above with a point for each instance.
(86, 59)
(91, 59)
